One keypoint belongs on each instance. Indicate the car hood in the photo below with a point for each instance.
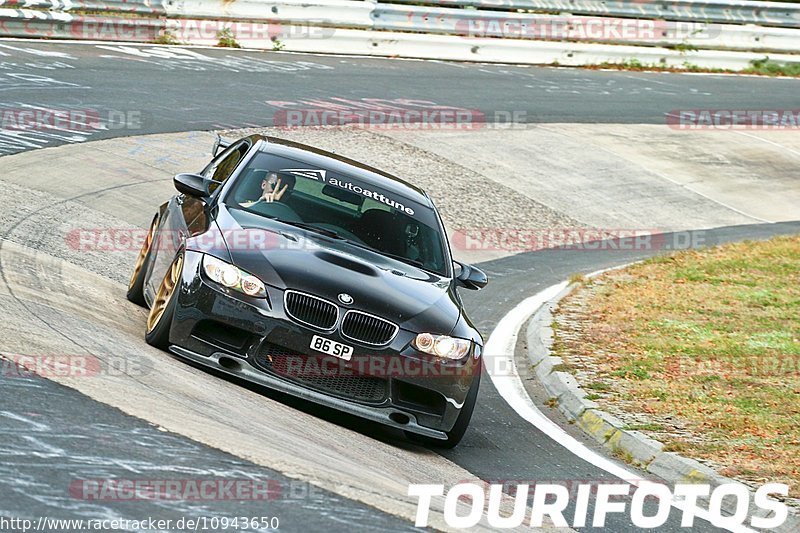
(286, 257)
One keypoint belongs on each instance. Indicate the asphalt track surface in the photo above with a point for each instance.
(166, 90)
(54, 439)
(52, 434)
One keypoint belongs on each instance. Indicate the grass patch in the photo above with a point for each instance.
(677, 446)
(645, 427)
(167, 38)
(226, 39)
(760, 67)
(710, 338)
(637, 66)
(682, 47)
(598, 385)
(766, 67)
(624, 456)
(577, 278)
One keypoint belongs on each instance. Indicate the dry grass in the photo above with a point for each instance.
(708, 341)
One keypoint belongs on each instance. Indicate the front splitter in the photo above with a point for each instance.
(242, 369)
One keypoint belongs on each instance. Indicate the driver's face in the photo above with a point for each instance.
(269, 182)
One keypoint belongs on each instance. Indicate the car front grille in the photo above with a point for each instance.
(368, 329)
(310, 310)
(308, 370)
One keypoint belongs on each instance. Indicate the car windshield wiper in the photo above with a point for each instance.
(403, 259)
(305, 225)
(311, 227)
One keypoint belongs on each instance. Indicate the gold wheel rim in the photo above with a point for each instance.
(164, 294)
(148, 242)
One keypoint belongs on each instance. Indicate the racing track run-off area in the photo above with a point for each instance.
(539, 174)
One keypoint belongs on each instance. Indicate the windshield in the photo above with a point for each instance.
(342, 207)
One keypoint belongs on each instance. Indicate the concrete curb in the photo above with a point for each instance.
(632, 446)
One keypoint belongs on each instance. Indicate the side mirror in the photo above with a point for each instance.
(219, 145)
(471, 277)
(192, 185)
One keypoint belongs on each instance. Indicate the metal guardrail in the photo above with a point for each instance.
(139, 7)
(777, 14)
(257, 23)
(472, 23)
(347, 13)
(57, 25)
(786, 15)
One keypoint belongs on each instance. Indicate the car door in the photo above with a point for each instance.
(186, 215)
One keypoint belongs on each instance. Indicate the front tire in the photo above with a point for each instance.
(136, 284)
(455, 435)
(159, 320)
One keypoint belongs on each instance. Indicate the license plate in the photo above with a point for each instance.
(327, 346)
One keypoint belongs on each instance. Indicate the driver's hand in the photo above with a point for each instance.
(276, 194)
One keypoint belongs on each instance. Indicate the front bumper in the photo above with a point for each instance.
(240, 336)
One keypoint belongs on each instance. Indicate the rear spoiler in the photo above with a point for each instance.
(219, 145)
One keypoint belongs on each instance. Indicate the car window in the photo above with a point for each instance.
(361, 213)
(223, 165)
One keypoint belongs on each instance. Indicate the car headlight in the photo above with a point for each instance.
(233, 277)
(442, 345)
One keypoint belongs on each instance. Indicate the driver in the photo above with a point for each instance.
(273, 188)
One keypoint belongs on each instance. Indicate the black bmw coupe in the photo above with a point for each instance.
(318, 276)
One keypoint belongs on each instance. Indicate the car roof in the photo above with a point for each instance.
(337, 163)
